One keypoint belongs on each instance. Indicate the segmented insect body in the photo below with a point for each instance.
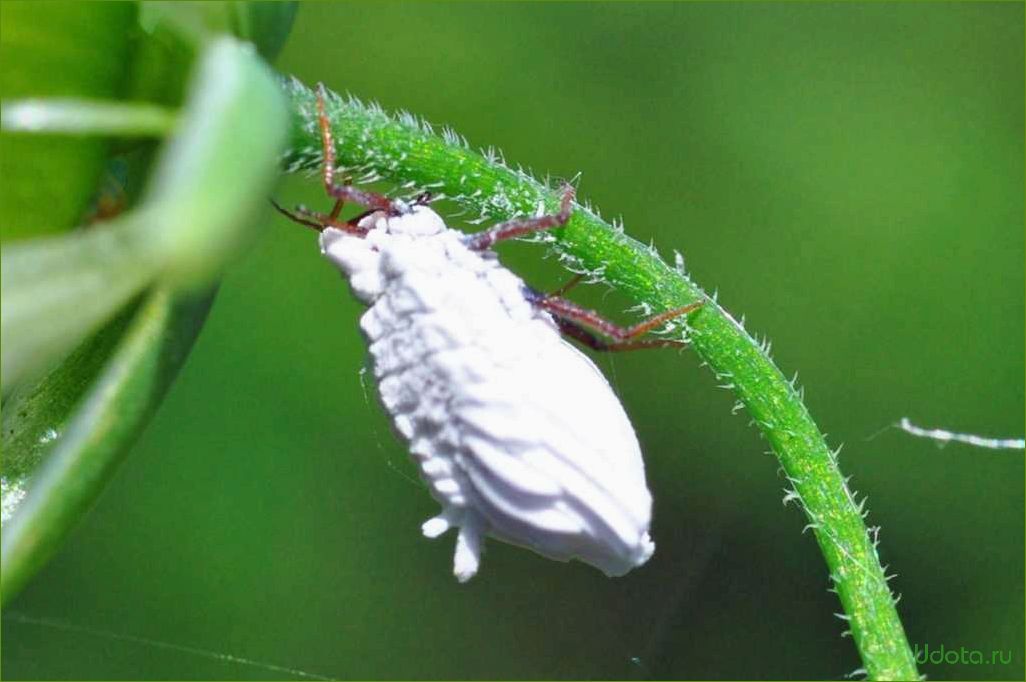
(516, 432)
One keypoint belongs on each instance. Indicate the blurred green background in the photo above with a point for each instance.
(848, 176)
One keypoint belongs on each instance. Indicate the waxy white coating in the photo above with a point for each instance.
(516, 433)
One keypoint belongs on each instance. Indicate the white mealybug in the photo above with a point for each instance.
(516, 433)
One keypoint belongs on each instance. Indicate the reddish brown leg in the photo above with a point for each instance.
(336, 210)
(342, 192)
(576, 321)
(574, 281)
(520, 226)
(588, 338)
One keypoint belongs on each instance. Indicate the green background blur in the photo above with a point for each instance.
(848, 176)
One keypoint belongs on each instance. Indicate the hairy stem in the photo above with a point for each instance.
(372, 145)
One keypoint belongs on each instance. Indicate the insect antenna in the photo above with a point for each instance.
(294, 217)
(321, 221)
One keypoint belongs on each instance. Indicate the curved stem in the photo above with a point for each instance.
(403, 150)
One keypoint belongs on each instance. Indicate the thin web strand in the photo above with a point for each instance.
(943, 437)
(377, 436)
(181, 648)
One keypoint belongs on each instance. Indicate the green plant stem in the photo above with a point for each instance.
(372, 145)
(86, 117)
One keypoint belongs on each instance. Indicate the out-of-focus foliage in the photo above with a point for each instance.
(141, 353)
(63, 434)
(848, 176)
(65, 49)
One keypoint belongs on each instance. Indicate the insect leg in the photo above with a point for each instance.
(591, 340)
(336, 210)
(342, 192)
(570, 284)
(581, 324)
(520, 226)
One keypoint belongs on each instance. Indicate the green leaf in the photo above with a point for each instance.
(264, 24)
(200, 207)
(210, 185)
(87, 446)
(57, 50)
(64, 436)
(56, 290)
(35, 416)
(174, 32)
